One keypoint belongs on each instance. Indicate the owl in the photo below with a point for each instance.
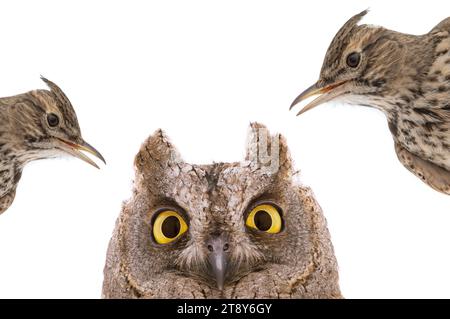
(227, 230)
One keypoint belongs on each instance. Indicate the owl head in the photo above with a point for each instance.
(226, 230)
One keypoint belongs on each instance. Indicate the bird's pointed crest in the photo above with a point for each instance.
(63, 104)
(342, 37)
(349, 25)
(56, 90)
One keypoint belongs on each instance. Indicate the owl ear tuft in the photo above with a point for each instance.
(267, 152)
(157, 152)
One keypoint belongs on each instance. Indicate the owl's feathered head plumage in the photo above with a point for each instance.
(242, 229)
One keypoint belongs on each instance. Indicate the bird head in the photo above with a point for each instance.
(53, 128)
(359, 65)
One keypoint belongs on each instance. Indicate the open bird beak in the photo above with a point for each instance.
(75, 149)
(326, 93)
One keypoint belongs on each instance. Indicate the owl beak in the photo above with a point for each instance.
(75, 149)
(326, 93)
(218, 259)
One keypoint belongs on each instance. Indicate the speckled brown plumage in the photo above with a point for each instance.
(298, 262)
(36, 125)
(405, 76)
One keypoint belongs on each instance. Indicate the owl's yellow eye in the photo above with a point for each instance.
(265, 218)
(168, 226)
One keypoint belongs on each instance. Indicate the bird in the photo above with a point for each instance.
(221, 230)
(36, 125)
(407, 77)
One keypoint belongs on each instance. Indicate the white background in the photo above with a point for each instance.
(202, 70)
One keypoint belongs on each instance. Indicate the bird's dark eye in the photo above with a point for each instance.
(353, 59)
(52, 119)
